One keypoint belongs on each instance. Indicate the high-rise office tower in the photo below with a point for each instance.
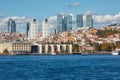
(11, 26)
(89, 21)
(64, 26)
(46, 29)
(79, 21)
(68, 23)
(33, 29)
(60, 21)
(64, 22)
(28, 27)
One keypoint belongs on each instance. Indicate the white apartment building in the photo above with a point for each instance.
(45, 29)
(33, 30)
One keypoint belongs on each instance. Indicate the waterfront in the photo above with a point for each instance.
(60, 67)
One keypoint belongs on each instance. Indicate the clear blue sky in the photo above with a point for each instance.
(46, 8)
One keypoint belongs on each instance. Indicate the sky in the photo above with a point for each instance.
(22, 11)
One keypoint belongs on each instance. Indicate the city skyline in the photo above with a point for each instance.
(23, 11)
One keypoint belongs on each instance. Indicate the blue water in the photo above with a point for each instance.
(60, 67)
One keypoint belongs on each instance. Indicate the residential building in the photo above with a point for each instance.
(46, 29)
(33, 29)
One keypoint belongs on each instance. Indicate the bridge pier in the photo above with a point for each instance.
(70, 48)
(40, 48)
(58, 48)
(46, 49)
(52, 48)
(64, 47)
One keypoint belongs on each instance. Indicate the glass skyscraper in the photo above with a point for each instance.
(28, 26)
(11, 26)
(68, 22)
(79, 21)
(64, 22)
(89, 21)
(60, 22)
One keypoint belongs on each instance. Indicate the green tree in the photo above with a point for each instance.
(75, 48)
(107, 47)
(97, 46)
(106, 33)
(6, 51)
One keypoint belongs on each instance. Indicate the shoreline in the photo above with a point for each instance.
(102, 53)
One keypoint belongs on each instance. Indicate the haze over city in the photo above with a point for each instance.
(104, 12)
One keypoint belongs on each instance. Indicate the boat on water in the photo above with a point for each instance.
(53, 53)
(116, 52)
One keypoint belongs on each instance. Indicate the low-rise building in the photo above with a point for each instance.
(15, 47)
(18, 47)
(5, 45)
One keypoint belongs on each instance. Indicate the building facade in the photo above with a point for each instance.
(11, 26)
(19, 47)
(60, 18)
(79, 21)
(28, 27)
(89, 21)
(5, 45)
(52, 48)
(46, 29)
(64, 22)
(33, 29)
(68, 23)
(15, 47)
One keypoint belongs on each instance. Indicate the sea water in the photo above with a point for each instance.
(60, 67)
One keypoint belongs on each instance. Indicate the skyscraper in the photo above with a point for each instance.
(11, 26)
(64, 22)
(68, 23)
(89, 21)
(33, 29)
(46, 30)
(79, 21)
(28, 26)
(60, 21)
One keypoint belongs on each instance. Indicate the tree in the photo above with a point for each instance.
(6, 51)
(118, 45)
(75, 48)
(97, 46)
(107, 46)
(106, 33)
